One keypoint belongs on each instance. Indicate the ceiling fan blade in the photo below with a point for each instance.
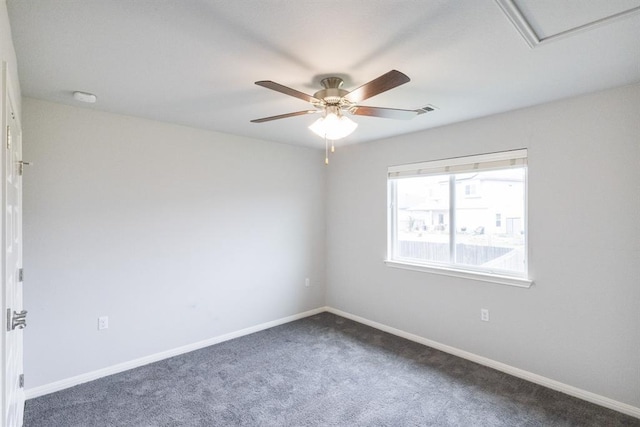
(393, 78)
(286, 90)
(283, 116)
(387, 113)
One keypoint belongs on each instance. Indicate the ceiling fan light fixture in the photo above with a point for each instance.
(333, 126)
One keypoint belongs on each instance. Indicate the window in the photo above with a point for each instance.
(438, 220)
(470, 190)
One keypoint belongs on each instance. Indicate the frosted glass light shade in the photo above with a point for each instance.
(333, 127)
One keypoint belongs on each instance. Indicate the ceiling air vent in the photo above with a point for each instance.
(427, 109)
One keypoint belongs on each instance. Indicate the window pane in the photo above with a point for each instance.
(422, 219)
(490, 221)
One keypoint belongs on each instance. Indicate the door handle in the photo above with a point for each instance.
(17, 320)
(21, 165)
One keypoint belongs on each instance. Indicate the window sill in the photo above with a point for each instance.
(471, 275)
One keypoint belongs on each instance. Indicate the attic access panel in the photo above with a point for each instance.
(541, 21)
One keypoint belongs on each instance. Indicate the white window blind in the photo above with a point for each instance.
(482, 162)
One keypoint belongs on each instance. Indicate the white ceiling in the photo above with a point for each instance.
(194, 62)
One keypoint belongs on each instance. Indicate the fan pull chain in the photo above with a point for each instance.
(333, 149)
(326, 150)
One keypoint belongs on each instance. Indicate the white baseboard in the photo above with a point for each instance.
(120, 367)
(516, 372)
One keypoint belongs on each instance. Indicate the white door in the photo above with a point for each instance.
(13, 314)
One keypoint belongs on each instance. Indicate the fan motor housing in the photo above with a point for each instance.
(332, 94)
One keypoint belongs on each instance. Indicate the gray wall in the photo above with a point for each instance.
(177, 234)
(579, 323)
(180, 235)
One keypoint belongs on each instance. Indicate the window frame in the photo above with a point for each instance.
(449, 168)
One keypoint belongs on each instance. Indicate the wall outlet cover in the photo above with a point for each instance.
(103, 322)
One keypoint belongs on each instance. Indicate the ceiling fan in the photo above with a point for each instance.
(333, 101)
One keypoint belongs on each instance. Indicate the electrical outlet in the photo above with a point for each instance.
(103, 322)
(484, 314)
(307, 282)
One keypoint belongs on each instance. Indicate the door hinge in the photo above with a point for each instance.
(21, 380)
(16, 320)
(20, 275)
(8, 137)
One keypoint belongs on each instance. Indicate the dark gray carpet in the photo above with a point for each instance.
(320, 371)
